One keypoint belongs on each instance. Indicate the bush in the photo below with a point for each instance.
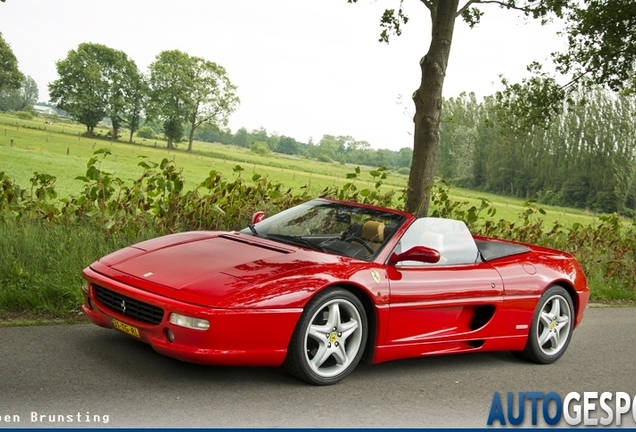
(261, 148)
(146, 132)
(50, 239)
(24, 115)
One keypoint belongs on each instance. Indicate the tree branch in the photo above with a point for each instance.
(573, 81)
(465, 7)
(508, 5)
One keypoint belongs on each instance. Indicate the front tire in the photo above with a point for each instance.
(551, 328)
(329, 340)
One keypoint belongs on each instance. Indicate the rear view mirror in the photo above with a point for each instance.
(417, 253)
(257, 217)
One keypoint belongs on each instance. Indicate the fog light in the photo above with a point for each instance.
(85, 285)
(189, 322)
(169, 335)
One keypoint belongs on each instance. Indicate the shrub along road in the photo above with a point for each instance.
(84, 372)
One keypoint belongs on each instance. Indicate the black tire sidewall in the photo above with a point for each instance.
(296, 361)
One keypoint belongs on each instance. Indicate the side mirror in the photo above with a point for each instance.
(416, 253)
(258, 216)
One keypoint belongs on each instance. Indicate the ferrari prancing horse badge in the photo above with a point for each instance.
(376, 276)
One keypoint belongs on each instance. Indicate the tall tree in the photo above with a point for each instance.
(428, 97)
(601, 43)
(601, 51)
(20, 99)
(29, 92)
(94, 83)
(126, 91)
(213, 96)
(10, 76)
(80, 89)
(137, 94)
(171, 81)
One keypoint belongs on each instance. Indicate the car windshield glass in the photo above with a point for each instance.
(330, 227)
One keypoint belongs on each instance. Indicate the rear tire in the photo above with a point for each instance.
(329, 340)
(551, 328)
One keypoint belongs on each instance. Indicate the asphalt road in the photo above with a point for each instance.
(80, 372)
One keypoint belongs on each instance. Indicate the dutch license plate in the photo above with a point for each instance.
(128, 329)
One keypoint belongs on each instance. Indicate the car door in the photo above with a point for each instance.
(436, 306)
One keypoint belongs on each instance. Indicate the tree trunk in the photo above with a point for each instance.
(428, 107)
(191, 138)
(193, 122)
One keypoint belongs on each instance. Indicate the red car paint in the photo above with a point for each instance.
(253, 291)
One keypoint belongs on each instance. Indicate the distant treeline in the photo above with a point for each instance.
(585, 158)
(339, 149)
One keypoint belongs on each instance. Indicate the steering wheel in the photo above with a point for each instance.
(362, 242)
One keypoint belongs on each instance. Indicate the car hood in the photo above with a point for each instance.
(213, 269)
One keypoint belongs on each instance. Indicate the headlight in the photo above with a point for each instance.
(85, 285)
(189, 322)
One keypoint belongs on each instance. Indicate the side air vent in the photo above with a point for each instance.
(483, 314)
(476, 343)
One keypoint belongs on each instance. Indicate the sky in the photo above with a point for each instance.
(304, 68)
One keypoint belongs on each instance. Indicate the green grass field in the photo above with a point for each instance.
(59, 149)
(40, 275)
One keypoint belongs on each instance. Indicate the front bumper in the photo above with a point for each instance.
(236, 337)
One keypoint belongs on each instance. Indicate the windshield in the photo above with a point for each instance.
(330, 227)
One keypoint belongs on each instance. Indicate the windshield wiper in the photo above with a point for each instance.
(296, 240)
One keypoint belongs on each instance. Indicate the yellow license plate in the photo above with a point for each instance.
(128, 329)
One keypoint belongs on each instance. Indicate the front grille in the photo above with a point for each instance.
(129, 307)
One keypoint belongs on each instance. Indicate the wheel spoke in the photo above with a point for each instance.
(319, 332)
(545, 318)
(348, 328)
(563, 324)
(321, 356)
(340, 354)
(554, 337)
(562, 321)
(555, 310)
(544, 337)
(333, 320)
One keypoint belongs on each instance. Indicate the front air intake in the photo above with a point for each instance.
(129, 307)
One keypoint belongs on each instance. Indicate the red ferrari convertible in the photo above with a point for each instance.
(325, 284)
